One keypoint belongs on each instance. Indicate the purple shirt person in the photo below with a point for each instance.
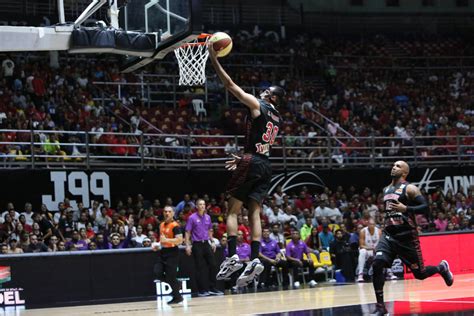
(296, 247)
(199, 226)
(78, 243)
(243, 249)
(294, 254)
(199, 232)
(269, 248)
(116, 243)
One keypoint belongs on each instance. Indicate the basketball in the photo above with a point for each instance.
(222, 43)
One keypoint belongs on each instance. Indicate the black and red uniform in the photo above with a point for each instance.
(400, 237)
(251, 179)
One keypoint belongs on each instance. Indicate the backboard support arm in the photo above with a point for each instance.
(62, 18)
(114, 14)
(90, 10)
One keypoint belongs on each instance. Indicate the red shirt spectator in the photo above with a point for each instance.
(90, 233)
(213, 209)
(303, 202)
(121, 150)
(245, 231)
(148, 219)
(344, 114)
(38, 86)
(221, 229)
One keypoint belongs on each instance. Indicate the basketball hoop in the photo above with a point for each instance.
(192, 59)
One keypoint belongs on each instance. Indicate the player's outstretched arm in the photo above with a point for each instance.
(246, 98)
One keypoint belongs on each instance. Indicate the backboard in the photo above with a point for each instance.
(148, 29)
(166, 16)
(173, 21)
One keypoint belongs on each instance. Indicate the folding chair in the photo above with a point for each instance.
(318, 265)
(198, 106)
(325, 260)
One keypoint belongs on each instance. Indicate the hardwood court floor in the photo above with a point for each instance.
(323, 296)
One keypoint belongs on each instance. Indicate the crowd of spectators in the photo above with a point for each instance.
(134, 222)
(394, 102)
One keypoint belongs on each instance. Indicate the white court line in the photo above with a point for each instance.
(343, 305)
(464, 302)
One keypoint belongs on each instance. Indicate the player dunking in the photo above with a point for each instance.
(400, 237)
(250, 181)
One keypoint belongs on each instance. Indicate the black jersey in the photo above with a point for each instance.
(397, 222)
(262, 130)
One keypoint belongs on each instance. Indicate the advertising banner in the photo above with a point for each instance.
(456, 248)
(49, 187)
(59, 279)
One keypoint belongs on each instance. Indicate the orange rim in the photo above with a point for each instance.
(201, 36)
(204, 35)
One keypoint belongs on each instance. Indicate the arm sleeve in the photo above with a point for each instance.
(421, 206)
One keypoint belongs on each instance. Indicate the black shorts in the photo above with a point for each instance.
(251, 179)
(407, 248)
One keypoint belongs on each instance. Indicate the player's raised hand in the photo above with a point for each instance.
(212, 51)
(231, 165)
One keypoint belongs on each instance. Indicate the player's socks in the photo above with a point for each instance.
(254, 249)
(232, 244)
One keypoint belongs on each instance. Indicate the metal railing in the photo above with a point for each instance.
(165, 90)
(38, 149)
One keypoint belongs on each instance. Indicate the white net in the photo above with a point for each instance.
(192, 59)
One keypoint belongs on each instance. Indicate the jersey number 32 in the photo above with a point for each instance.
(268, 138)
(271, 133)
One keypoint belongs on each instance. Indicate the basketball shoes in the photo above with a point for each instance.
(228, 267)
(446, 273)
(251, 272)
(380, 310)
(175, 300)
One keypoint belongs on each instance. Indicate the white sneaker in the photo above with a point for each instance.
(251, 272)
(228, 267)
(392, 277)
(312, 283)
(360, 278)
(296, 285)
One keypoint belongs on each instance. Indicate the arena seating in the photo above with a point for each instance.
(375, 97)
